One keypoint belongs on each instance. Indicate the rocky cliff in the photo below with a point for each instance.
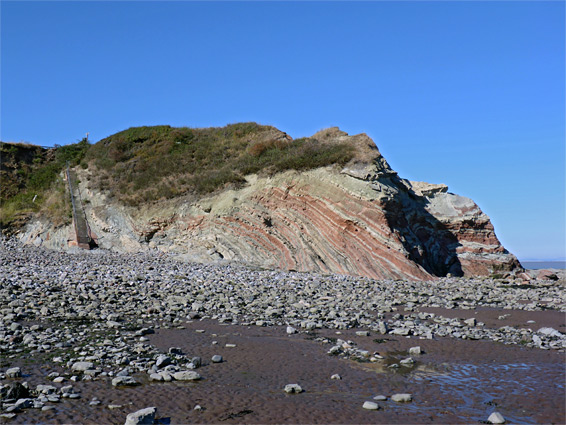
(357, 218)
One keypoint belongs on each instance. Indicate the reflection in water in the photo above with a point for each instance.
(473, 389)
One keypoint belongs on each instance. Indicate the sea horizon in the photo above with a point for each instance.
(543, 264)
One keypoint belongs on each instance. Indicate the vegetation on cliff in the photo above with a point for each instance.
(31, 181)
(145, 164)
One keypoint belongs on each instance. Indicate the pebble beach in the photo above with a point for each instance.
(96, 336)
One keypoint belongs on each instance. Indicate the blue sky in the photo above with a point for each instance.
(471, 94)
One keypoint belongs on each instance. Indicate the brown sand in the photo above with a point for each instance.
(455, 381)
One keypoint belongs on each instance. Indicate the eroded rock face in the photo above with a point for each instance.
(360, 219)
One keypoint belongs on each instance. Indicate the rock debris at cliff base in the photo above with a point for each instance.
(94, 314)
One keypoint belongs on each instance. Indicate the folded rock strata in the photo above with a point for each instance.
(361, 219)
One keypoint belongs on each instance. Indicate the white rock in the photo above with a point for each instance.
(216, 359)
(142, 417)
(470, 322)
(156, 377)
(550, 332)
(291, 330)
(496, 418)
(82, 366)
(402, 398)
(186, 375)
(370, 405)
(336, 376)
(127, 381)
(24, 403)
(415, 350)
(14, 372)
(293, 389)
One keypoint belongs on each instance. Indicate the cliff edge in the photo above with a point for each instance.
(348, 213)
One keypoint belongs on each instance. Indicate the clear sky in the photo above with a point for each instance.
(471, 94)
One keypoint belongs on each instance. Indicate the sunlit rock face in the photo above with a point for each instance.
(360, 219)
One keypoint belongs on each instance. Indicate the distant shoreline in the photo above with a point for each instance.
(544, 264)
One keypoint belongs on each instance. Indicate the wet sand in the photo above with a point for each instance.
(454, 381)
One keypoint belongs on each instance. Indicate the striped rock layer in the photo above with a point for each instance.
(361, 219)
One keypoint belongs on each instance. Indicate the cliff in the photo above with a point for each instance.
(350, 214)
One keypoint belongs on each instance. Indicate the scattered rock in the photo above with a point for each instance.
(82, 366)
(496, 418)
(370, 405)
(402, 398)
(186, 375)
(124, 381)
(415, 350)
(14, 372)
(141, 417)
(293, 389)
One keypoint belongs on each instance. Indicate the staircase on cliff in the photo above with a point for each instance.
(83, 238)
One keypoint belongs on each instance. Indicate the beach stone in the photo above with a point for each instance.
(402, 398)
(370, 405)
(415, 350)
(124, 381)
(124, 372)
(8, 415)
(47, 408)
(291, 330)
(14, 372)
(470, 322)
(336, 376)
(162, 361)
(216, 359)
(141, 417)
(196, 361)
(82, 366)
(16, 390)
(550, 332)
(293, 389)
(496, 418)
(382, 327)
(24, 403)
(186, 375)
(156, 377)
(380, 398)
(67, 389)
(46, 389)
(362, 333)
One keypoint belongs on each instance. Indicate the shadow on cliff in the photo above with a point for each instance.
(428, 241)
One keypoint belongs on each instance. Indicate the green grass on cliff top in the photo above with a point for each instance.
(145, 164)
(31, 181)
